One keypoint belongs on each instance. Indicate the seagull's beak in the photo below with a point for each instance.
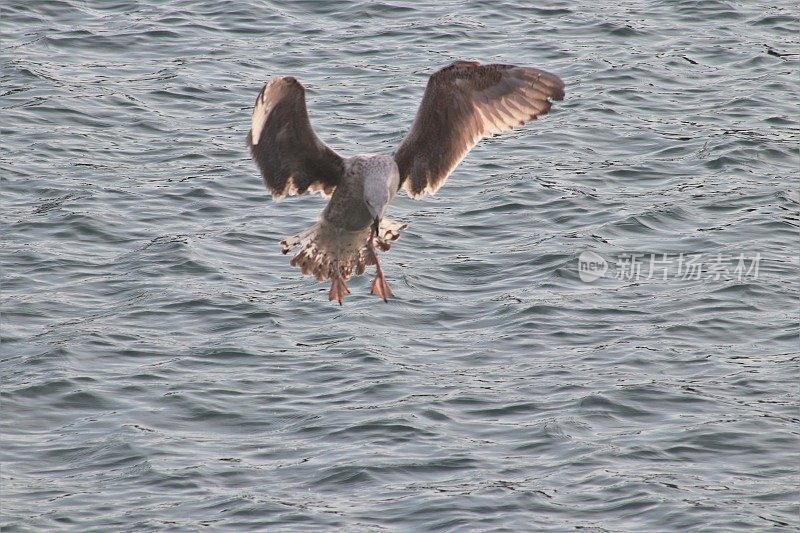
(376, 224)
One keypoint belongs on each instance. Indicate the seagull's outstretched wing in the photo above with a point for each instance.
(291, 157)
(464, 103)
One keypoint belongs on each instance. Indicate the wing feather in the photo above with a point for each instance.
(284, 146)
(464, 103)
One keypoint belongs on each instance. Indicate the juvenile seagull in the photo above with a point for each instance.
(463, 103)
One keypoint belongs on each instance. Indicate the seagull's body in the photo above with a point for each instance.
(341, 242)
(463, 103)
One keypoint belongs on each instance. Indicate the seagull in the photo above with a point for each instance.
(463, 103)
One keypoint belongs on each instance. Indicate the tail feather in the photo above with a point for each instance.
(322, 245)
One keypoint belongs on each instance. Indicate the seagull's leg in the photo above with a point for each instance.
(380, 287)
(338, 286)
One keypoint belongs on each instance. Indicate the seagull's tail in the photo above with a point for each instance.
(323, 246)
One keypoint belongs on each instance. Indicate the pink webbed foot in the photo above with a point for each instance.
(380, 288)
(338, 289)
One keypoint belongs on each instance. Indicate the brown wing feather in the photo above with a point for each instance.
(464, 103)
(291, 157)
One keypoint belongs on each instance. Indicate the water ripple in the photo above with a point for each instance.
(166, 370)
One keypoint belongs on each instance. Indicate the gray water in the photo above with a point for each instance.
(165, 369)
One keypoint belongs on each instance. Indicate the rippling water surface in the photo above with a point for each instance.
(166, 370)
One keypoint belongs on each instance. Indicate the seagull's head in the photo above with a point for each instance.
(376, 204)
(380, 185)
